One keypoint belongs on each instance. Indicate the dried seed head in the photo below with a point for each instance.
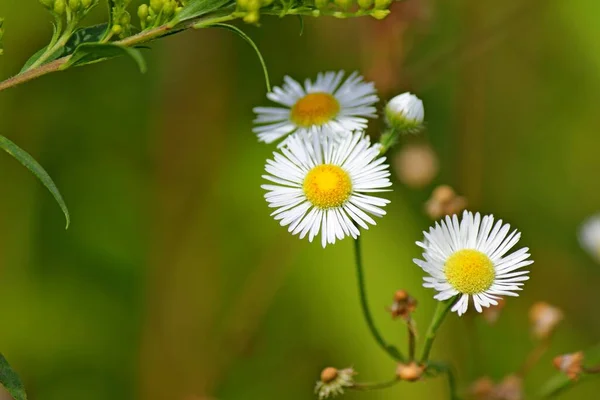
(333, 381)
(544, 319)
(328, 374)
(410, 372)
(404, 304)
(570, 364)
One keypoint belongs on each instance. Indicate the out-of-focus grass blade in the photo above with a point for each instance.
(29, 162)
(11, 381)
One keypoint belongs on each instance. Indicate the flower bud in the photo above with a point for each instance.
(380, 14)
(252, 17)
(157, 5)
(253, 5)
(74, 5)
(169, 8)
(143, 12)
(570, 364)
(410, 372)
(125, 19)
(116, 29)
(382, 4)
(333, 381)
(365, 4)
(405, 113)
(59, 7)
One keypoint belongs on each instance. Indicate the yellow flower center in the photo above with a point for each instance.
(315, 109)
(470, 271)
(327, 186)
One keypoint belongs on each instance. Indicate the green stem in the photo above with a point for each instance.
(374, 386)
(440, 313)
(53, 48)
(446, 369)
(412, 339)
(391, 350)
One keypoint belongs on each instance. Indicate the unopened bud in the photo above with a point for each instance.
(59, 7)
(570, 364)
(405, 113)
(365, 4)
(125, 19)
(544, 319)
(252, 17)
(382, 4)
(380, 14)
(169, 8)
(116, 29)
(343, 4)
(409, 372)
(74, 5)
(157, 5)
(143, 12)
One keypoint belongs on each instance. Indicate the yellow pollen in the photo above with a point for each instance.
(315, 109)
(470, 271)
(327, 186)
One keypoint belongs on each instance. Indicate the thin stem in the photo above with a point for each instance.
(53, 48)
(440, 313)
(412, 339)
(446, 369)
(392, 351)
(533, 357)
(374, 386)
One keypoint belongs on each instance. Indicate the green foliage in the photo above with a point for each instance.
(29, 162)
(198, 8)
(11, 381)
(88, 53)
(249, 40)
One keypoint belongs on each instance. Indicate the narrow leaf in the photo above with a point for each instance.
(33, 59)
(197, 8)
(301, 18)
(29, 162)
(11, 381)
(88, 53)
(247, 38)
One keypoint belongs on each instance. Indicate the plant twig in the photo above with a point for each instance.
(442, 309)
(375, 386)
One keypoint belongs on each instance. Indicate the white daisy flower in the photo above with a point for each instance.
(589, 236)
(469, 259)
(327, 104)
(323, 185)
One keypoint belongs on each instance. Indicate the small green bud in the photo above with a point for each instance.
(382, 4)
(343, 4)
(380, 14)
(59, 7)
(169, 8)
(242, 4)
(86, 3)
(117, 29)
(143, 12)
(157, 5)
(252, 17)
(321, 3)
(178, 10)
(125, 19)
(253, 5)
(339, 14)
(48, 4)
(365, 4)
(74, 5)
(316, 13)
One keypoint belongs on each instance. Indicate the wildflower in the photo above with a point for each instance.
(324, 186)
(444, 201)
(326, 105)
(416, 165)
(589, 236)
(544, 318)
(404, 304)
(333, 381)
(469, 259)
(410, 372)
(570, 364)
(405, 112)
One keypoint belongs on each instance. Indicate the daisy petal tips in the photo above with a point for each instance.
(323, 186)
(327, 105)
(469, 259)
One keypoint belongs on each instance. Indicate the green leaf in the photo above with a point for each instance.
(11, 381)
(88, 53)
(82, 35)
(111, 5)
(29, 162)
(197, 8)
(247, 38)
(301, 18)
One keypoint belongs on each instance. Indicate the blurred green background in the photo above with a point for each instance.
(174, 283)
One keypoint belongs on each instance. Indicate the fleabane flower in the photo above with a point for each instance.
(405, 113)
(320, 185)
(589, 236)
(328, 105)
(469, 259)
